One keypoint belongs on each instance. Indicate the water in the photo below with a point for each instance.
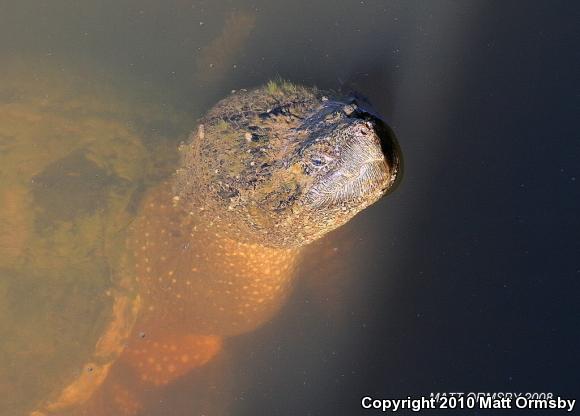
(464, 279)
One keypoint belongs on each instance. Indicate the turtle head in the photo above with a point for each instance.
(350, 159)
(345, 158)
(293, 174)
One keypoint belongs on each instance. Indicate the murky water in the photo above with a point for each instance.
(442, 286)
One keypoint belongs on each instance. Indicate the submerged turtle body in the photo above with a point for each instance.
(211, 254)
(215, 250)
(72, 164)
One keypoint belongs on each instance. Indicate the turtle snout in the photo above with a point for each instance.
(391, 154)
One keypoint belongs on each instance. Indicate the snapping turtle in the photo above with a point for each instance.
(214, 251)
(211, 254)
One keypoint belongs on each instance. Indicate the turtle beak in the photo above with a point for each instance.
(390, 162)
(367, 170)
(392, 158)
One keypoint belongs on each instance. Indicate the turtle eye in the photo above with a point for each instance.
(318, 160)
